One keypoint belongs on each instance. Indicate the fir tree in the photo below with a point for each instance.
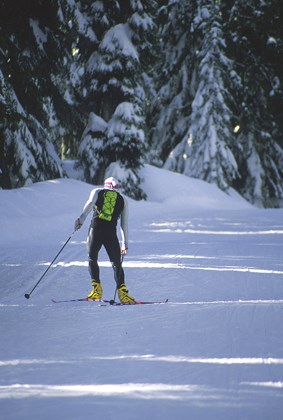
(173, 76)
(195, 119)
(256, 46)
(29, 156)
(207, 150)
(115, 73)
(217, 105)
(92, 148)
(24, 159)
(126, 145)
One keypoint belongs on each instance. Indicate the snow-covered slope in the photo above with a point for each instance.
(169, 187)
(215, 351)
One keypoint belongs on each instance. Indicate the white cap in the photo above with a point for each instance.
(111, 183)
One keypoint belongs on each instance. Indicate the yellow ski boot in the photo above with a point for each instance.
(124, 296)
(96, 293)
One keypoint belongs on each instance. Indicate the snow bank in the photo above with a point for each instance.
(179, 190)
(40, 209)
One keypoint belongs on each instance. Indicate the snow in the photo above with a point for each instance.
(84, 26)
(119, 37)
(214, 351)
(39, 35)
(125, 115)
(143, 21)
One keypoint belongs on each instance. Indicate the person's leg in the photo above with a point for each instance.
(94, 243)
(112, 247)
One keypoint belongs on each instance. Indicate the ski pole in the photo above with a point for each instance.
(27, 295)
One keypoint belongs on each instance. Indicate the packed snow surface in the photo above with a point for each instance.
(214, 351)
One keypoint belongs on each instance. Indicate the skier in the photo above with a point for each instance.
(108, 206)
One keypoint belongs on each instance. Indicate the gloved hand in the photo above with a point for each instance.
(78, 224)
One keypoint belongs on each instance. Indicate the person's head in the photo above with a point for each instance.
(111, 184)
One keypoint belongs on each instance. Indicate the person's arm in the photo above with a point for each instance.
(124, 227)
(87, 208)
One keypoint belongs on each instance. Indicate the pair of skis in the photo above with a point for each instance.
(105, 302)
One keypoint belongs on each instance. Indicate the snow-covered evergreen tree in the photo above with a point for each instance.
(92, 147)
(126, 143)
(77, 36)
(206, 151)
(217, 105)
(23, 159)
(256, 46)
(39, 61)
(194, 122)
(30, 61)
(115, 73)
(168, 116)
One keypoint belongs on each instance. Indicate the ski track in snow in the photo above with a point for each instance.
(215, 351)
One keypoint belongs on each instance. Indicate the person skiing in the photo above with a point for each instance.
(108, 206)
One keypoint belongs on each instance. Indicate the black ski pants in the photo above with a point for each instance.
(104, 233)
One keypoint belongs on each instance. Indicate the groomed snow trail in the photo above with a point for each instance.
(215, 351)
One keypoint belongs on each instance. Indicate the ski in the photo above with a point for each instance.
(78, 300)
(113, 303)
(110, 302)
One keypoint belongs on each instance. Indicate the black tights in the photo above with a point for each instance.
(104, 233)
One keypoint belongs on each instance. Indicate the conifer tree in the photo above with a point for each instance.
(28, 154)
(115, 73)
(198, 118)
(256, 47)
(173, 78)
(92, 148)
(216, 111)
(208, 148)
